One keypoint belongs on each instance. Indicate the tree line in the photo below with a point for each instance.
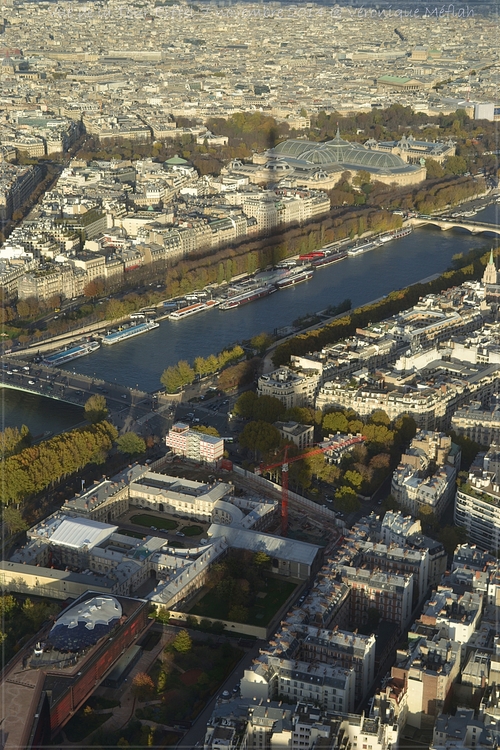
(37, 467)
(177, 376)
(395, 302)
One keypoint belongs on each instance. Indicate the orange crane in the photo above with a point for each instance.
(284, 463)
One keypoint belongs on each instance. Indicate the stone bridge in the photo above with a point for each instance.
(445, 222)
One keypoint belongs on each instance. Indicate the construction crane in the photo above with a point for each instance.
(285, 461)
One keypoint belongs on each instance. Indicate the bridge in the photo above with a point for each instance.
(73, 388)
(445, 222)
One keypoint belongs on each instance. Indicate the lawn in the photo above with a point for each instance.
(275, 594)
(192, 530)
(161, 523)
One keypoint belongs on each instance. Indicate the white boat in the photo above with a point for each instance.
(186, 312)
(126, 333)
(359, 249)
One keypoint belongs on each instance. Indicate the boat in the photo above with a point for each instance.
(68, 354)
(186, 312)
(329, 258)
(386, 237)
(404, 232)
(359, 249)
(126, 333)
(245, 297)
(295, 277)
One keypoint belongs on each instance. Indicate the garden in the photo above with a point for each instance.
(144, 519)
(240, 589)
(183, 679)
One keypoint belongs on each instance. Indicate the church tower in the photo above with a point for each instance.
(490, 275)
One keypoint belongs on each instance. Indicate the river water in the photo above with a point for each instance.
(141, 360)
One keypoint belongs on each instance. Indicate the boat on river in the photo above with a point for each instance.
(129, 331)
(68, 354)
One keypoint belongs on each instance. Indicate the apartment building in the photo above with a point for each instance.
(477, 503)
(390, 594)
(194, 445)
(415, 485)
(291, 387)
(477, 423)
(428, 669)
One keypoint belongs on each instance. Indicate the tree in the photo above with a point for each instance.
(93, 289)
(335, 421)
(346, 500)
(260, 436)
(13, 520)
(427, 516)
(434, 169)
(261, 560)
(143, 686)
(182, 643)
(244, 405)
(206, 430)
(261, 342)
(95, 408)
(268, 409)
(162, 615)
(455, 165)
(130, 444)
(451, 536)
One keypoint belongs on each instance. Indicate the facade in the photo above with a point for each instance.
(194, 445)
(391, 595)
(291, 387)
(301, 435)
(428, 669)
(415, 485)
(477, 505)
(477, 423)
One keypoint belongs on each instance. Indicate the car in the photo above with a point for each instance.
(9, 372)
(226, 694)
(236, 689)
(31, 382)
(124, 395)
(179, 533)
(26, 368)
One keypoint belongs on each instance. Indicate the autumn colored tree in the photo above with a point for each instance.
(182, 642)
(95, 408)
(143, 686)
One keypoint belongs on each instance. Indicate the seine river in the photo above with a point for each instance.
(140, 361)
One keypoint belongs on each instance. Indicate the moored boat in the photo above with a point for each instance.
(294, 278)
(70, 353)
(245, 297)
(128, 332)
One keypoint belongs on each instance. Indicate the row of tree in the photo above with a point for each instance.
(13, 440)
(37, 467)
(393, 303)
(177, 376)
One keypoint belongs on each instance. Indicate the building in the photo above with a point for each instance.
(391, 595)
(417, 484)
(428, 669)
(70, 659)
(477, 423)
(291, 387)
(194, 445)
(301, 435)
(477, 503)
(320, 165)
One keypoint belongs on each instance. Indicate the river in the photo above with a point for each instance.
(140, 361)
